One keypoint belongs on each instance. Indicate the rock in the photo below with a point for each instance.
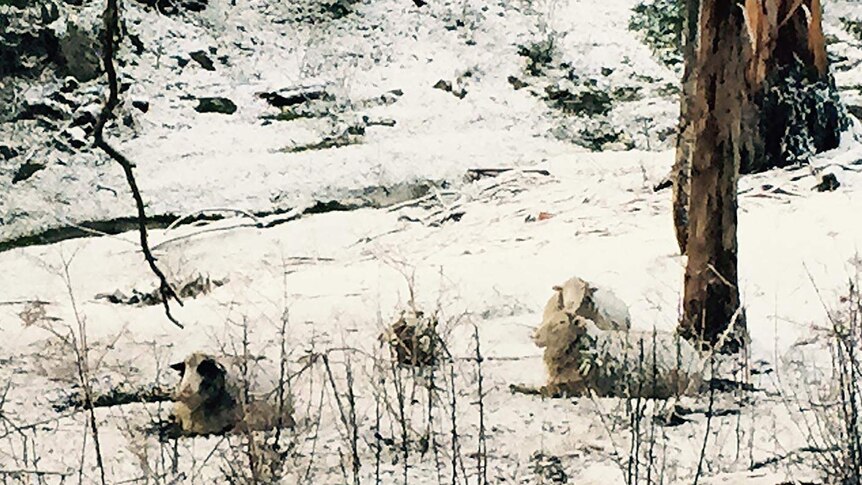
(378, 122)
(203, 59)
(8, 152)
(75, 137)
(517, 83)
(142, 105)
(43, 109)
(70, 84)
(86, 117)
(26, 171)
(287, 97)
(443, 85)
(79, 45)
(828, 183)
(215, 104)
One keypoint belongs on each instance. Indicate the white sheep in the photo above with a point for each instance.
(589, 348)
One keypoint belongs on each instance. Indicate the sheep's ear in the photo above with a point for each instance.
(210, 369)
(179, 367)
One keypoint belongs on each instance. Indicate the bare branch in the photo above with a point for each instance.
(110, 31)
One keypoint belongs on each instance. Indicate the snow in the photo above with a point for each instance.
(343, 276)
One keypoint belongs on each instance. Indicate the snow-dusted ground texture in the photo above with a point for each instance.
(482, 254)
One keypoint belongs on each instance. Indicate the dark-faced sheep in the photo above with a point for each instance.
(208, 400)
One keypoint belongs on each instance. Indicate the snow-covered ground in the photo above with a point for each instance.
(483, 254)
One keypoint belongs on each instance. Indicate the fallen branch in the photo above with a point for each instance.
(474, 174)
(110, 31)
(22, 472)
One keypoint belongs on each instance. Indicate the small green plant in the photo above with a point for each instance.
(660, 24)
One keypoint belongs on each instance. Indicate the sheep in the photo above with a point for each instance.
(578, 297)
(208, 400)
(589, 348)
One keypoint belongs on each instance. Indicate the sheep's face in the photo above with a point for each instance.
(202, 379)
(559, 328)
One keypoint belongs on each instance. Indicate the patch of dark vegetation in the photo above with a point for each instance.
(721, 384)
(806, 117)
(626, 94)
(585, 99)
(314, 102)
(342, 140)
(316, 11)
(474, 174)
(456, 90)
(854, 26)
(175, 7)
(31, 42)
(597, 135)
(516, 83)
(548, 468)
(199, 285)
(668, 90)
(540, 55)
(114, 397)
(660, 24)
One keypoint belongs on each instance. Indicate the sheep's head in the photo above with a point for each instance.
(202, 380)
(559, 328)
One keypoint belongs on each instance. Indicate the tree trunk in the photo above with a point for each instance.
(685, 139)
(721, 111)
(798, 113)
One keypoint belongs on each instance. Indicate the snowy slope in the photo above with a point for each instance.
(479, 252)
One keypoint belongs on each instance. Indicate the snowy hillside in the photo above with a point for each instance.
(392, 145)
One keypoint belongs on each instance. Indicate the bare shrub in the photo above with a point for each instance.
(839, 444)
(413, 339)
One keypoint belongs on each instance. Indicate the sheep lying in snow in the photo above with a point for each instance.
(588, 347)
(208, 400)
